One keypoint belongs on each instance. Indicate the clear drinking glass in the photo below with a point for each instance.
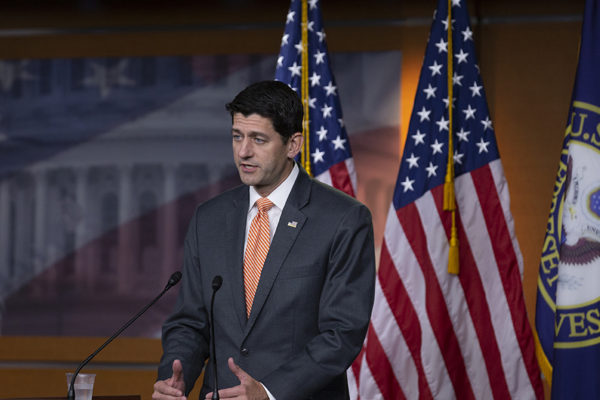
(84, 385)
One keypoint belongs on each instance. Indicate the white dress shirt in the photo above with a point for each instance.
(278, 197)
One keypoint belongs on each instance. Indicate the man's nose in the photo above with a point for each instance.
(245, 148)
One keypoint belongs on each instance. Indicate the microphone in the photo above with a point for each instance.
(216, 284)
(173, 280)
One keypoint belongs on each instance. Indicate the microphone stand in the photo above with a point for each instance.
(172, 282)
(216, 284)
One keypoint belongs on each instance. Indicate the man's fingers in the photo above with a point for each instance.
(227, 393)
(177, 371)
(172, 388)
(248, 388)
(162, 390)
(237, 371)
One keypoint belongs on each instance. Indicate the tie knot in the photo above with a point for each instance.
(263, 204)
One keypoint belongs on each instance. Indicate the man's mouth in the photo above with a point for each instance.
(245, 167)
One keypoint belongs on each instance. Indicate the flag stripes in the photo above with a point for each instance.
(411, 219)
(410, 277)
(341, 176)
(477, 302)
(501, 231)
(399, 311)
(387, 381)
(425, 329)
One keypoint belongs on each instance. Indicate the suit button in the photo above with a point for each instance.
(244, 352)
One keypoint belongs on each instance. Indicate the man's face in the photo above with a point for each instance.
(262, 158)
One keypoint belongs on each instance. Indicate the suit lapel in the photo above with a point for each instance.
(290, 224)
(235, 225)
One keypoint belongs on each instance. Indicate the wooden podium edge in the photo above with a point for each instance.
(75, 349)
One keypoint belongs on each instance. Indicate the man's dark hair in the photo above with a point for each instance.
(273, 100)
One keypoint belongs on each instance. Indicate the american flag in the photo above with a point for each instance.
(330, 155)
(434, 334)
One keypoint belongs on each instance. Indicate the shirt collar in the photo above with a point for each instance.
(281, 193)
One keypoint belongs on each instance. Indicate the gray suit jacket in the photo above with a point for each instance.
(312, 306)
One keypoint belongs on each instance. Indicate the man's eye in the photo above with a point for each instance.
(237, 137)
(259, 140)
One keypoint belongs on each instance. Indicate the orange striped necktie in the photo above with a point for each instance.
(259, 239)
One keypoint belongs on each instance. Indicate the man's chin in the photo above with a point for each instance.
(247, 179)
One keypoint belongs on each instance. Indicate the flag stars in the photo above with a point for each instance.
(455, 3)
(461, 56)
(463, 135)
(431, 170)
(447, 102)
(487, 123)
(413, 161)
(311, 25)
(437, 147)
(322, 133)
(290, 17)
(284, 39)
(312, 102)
(442, 124)
(430, 91)
(341, 122)
(458, 157)
(326, 110)
(445, 23)
(475, 90)
(418, 137)
(295, 69)
(319, 57)
(279, 61)
(407, 184)
(299, 47)
(338, 143)
(330, 89)
(456, 79)
(321, 35)
(442, 46)
(318, 156)
(469, 112)
(424, 114)
(467, 34)
(312, 3)
(315, 79)
(436, 69)
(482, 146)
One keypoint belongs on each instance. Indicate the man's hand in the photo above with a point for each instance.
(248, 389)
(172, 388)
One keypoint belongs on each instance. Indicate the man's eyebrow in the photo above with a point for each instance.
(251, 133)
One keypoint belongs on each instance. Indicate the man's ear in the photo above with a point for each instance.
(294, 144)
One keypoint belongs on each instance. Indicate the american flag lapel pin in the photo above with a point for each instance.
(293, 224)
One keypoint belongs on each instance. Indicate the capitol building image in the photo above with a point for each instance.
(97, 202)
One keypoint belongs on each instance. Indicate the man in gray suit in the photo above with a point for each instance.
(293, 333)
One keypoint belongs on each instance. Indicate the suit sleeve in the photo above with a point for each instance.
(185, 334)
(344, 312)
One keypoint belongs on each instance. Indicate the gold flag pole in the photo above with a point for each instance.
(305, 156)
(449, 201)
